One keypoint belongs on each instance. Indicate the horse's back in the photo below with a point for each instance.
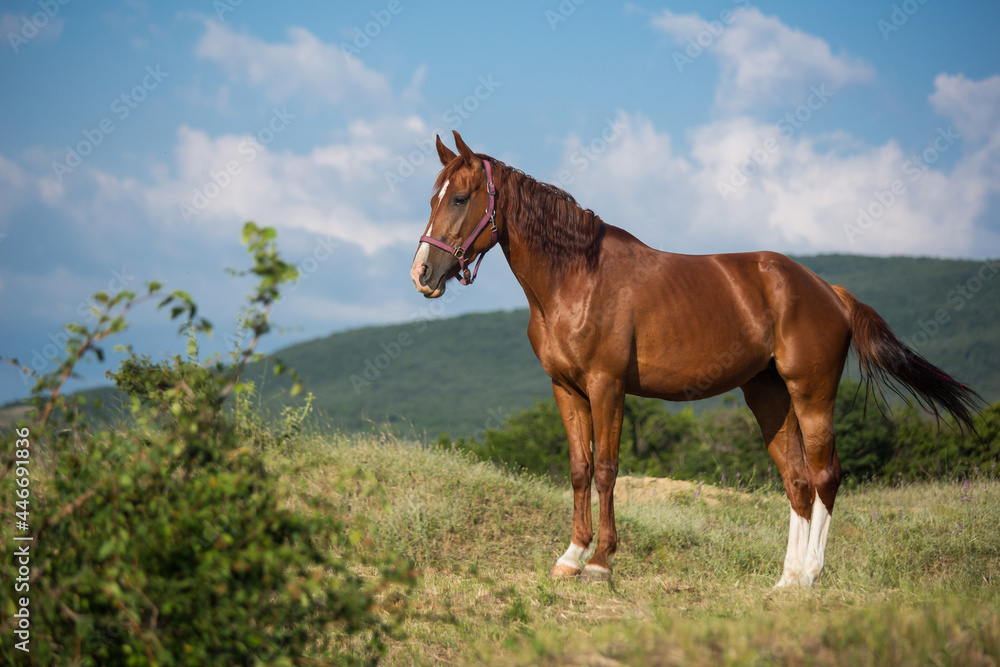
(705, 324)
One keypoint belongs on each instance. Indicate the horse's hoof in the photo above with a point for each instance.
(796, 582)
(595, 573)
(561, 571)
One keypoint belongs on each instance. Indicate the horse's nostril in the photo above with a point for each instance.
(422, 275)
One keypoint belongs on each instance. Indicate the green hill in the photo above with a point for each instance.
(463, 374)
(470, 372)
(438, 376)
(944, 309)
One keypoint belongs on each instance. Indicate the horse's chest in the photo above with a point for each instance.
(561, 354)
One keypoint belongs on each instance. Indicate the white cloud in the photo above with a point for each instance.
(763, 61)
(750, 185)
(19, 30)
(636, 159)
(303, 65)
(338, 189)
(13, 184)
(803, 197)
(973, 105)
(367, 185)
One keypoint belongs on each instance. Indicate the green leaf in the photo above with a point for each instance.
(249, 230)
(105, 551)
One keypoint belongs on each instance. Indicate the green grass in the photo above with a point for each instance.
(911, 572)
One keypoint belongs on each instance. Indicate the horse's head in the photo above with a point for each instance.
(454, 236)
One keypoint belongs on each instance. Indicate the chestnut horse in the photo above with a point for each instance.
(611, 316)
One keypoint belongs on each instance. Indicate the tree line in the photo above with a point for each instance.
(724, 445)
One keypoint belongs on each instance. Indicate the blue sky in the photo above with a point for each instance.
(138, 138)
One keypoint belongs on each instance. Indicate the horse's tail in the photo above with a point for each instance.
(882, 357)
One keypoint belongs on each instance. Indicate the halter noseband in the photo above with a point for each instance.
(460, 252)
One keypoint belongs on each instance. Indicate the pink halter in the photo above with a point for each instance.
(460, 252)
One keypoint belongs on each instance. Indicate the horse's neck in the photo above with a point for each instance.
(534, 273)
(532, 265)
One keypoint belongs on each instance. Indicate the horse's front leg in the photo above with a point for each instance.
(575, 412)
(607, 406)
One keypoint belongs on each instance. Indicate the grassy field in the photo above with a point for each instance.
(912, 572)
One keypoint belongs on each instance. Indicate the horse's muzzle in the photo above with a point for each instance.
(427, 279)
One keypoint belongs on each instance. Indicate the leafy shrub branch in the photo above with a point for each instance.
(171, 542)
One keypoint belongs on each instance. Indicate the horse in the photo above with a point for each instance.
(611, 316)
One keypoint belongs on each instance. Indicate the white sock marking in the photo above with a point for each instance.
(819, 530)
(798, 541)
(573, 557)
(806, 547)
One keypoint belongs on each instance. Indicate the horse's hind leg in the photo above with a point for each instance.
(815, 414)
(768, 398)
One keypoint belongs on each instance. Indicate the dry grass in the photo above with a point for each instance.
(911, 571)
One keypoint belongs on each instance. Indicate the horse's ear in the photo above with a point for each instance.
(445, 153)
(463, 149)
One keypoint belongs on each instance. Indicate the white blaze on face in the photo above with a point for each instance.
(420, 259)
(442, 192)
(417, 268)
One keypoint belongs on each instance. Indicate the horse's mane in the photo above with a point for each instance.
(547, 218)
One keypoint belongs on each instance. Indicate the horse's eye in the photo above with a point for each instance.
(459, 200)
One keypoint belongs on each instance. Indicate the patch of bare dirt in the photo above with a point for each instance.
(660, 489)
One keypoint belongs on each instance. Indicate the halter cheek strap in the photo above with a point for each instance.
(460, 253)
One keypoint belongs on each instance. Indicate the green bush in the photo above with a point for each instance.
(171, 542)
(926, 449)
(724, 445)
(533, 440)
